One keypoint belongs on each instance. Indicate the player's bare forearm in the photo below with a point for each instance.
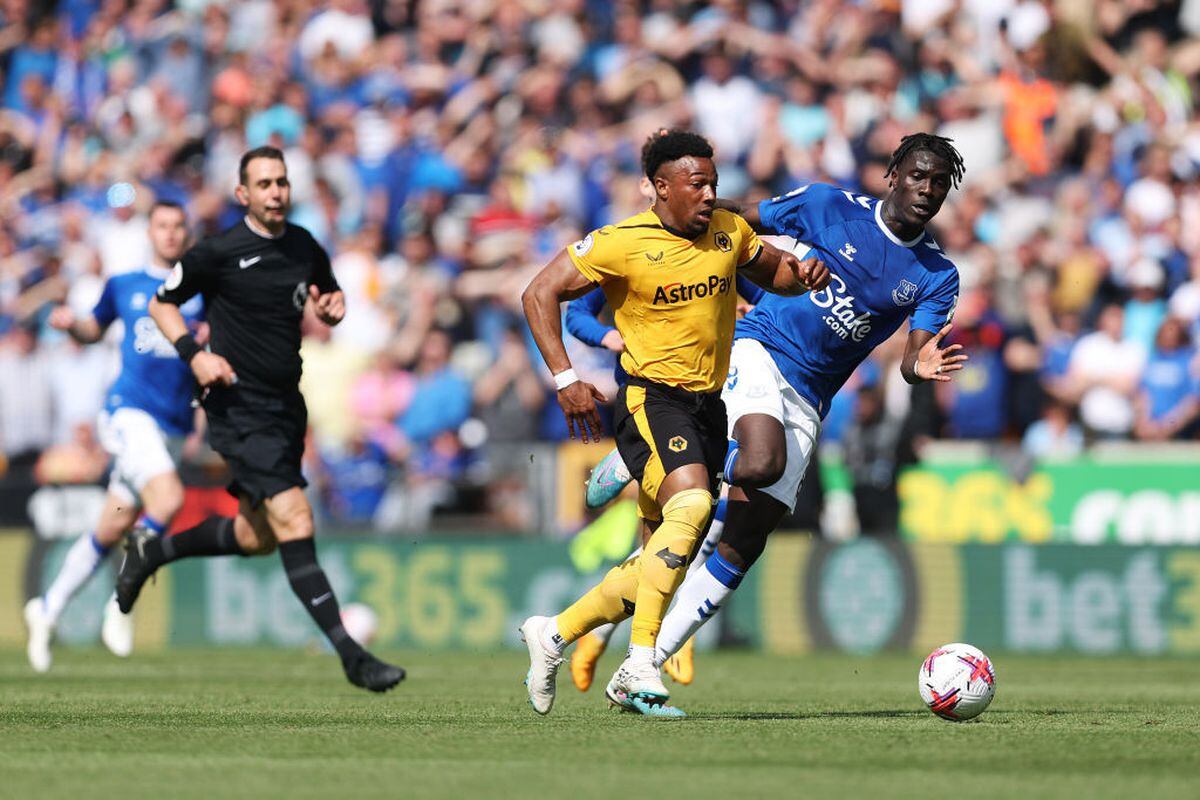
(747, 211)
(916, 340)
(557, 282)
(84, 330)
(780, 272)
(168, 319)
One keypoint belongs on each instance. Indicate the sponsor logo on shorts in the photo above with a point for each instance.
(672, 560)
(677, 444)
(722, 241)
(673, 293)
(732, 380)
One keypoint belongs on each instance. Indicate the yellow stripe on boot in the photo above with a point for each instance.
(665, 558)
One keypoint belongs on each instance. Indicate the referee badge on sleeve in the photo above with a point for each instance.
(175, 278)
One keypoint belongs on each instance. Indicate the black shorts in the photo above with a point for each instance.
(661, 428)
(261, 438)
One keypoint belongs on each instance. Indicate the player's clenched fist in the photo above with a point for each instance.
(330, 306)
(211, 369)
(813, 273)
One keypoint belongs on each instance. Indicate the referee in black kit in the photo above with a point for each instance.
(256, 279)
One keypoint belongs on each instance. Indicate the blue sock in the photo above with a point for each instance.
(723, 571)
(100, 549)
(731, 456)
(151, 524)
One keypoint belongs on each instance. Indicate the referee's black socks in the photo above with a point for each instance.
(316, 595)
(212, 537)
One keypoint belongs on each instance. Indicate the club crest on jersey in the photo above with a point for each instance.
(904, 293)
(722, 241)
(677, 444)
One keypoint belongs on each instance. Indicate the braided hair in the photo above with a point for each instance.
(938, 145)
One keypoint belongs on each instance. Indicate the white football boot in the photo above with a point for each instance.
(544, 662)
(41, 631)
(117, 630)
(637, 686)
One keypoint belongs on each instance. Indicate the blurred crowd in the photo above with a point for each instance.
(442, 151)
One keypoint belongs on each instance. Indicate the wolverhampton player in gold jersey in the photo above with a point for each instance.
(668, 274)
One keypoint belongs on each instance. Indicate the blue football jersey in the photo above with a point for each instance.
(152, 377)
(817, 339)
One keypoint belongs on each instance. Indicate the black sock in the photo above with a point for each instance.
(213, 537)
(316, 595)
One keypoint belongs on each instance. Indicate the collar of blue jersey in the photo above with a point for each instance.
(158, 273)
(888, 231)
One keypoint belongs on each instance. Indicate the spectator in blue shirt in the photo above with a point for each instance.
(1168, 401)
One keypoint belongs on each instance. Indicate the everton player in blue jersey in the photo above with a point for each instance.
(147, 414)
(791, 355)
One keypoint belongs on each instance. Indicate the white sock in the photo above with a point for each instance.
(640, 654)
(696, 602)
(604, 632)
(708, 546)
(551, 638)
(81, 561)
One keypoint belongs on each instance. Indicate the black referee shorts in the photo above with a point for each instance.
(661, 428)
(261, 438)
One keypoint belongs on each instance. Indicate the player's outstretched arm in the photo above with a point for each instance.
(84, 330)
(209, 368)
(780, 272)
(559, 281)
(926, 360)
(747, 211)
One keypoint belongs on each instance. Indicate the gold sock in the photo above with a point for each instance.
(611, 600)
(665, 558)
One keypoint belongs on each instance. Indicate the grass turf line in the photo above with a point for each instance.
(224, 723)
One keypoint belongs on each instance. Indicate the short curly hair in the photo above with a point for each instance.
(672, 145)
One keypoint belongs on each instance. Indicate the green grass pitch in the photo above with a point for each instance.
(256, 723)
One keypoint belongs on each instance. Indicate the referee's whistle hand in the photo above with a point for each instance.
(211, 369)
(330, 306)
(578, 401)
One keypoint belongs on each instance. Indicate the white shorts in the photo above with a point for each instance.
(755, 386)
(140, 450)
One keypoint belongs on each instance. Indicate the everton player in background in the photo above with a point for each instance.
(147, 414)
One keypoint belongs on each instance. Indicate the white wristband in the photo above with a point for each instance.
(564, 379)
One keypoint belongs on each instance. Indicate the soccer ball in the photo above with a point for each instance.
(361, 622)
(957, 681)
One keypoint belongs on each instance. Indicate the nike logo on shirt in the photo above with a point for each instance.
(316, 601)
(249, 262)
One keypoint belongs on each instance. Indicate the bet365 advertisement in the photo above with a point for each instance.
(1133, 502)
(861, 596)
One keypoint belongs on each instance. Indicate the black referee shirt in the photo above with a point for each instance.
(254, 290)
